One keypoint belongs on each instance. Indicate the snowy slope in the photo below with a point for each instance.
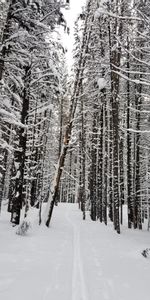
(73, 260)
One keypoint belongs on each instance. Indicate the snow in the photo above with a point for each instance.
(73, 260)
(102, 10)
(101, 83)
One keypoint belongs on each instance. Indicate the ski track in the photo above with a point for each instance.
(79, 290)
(73, 260)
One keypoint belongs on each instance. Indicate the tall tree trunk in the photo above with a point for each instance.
(19, 155)
(105, 163)
(129, 148)
(100, 164)
(93, 172)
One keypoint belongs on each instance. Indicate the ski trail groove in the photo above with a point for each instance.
(79, 290)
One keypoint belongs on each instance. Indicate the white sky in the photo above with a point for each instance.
(71, 15)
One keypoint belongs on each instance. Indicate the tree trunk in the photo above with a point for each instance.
(19, 155)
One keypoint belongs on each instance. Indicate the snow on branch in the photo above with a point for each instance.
(11, 118)
(137, 131)
(136, 81)
(41, 77)
(102, 11)
(41, 109)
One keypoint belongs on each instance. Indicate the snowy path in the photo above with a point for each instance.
(73, 260)
(79, 291)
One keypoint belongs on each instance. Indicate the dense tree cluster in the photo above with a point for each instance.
(109, 161)
(101, 143)
(31, 88)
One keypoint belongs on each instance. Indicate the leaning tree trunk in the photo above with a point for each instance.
(60, 165)
(74, 100)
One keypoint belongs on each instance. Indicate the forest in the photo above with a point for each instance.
(81, 137)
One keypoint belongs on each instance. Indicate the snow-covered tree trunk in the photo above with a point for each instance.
(20, 153)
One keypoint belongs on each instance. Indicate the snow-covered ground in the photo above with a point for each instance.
(73, 260)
